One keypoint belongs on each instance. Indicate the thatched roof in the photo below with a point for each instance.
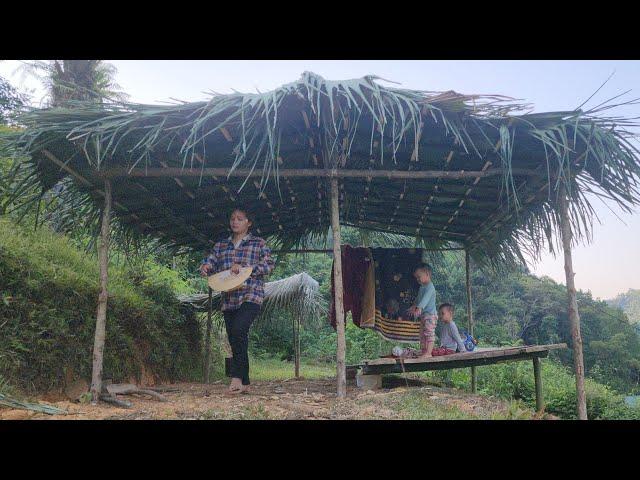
(504, 200)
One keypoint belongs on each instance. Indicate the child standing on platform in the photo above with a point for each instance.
(424, 308)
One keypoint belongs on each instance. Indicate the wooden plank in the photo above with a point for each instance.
(447, 363)
(480, 353)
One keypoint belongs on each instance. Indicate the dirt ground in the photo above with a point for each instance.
(287, 399)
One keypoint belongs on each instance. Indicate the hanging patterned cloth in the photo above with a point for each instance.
(356, 262)
(378, 289)
(395, 292)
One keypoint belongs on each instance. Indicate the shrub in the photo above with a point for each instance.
(514, 381)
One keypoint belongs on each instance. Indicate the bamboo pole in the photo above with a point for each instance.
(574, 316)
(309, 173)
(101, 314)
(467, 263)
(298, 351)
(207, 340)
(296, 344)
(537, 376)
(338, 291)
(326, 250)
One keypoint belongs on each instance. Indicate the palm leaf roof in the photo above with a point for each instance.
(314, 124)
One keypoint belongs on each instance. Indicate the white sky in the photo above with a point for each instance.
(606, 267)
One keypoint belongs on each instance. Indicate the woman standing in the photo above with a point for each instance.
(241, 306)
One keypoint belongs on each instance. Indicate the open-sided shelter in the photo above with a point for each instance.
(474, 171)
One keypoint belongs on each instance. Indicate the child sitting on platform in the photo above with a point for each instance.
(392, 308)
(424, 308)
(450, 339)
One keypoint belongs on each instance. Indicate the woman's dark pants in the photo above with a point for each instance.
(238, 322)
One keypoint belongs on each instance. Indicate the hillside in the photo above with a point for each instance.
(629, 302)
(48, 297)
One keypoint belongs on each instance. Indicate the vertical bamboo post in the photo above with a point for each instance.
(574, 316)
(101, 314)
(537, 376)
(207, 340)
(296, 343)
(338, 291)
(299, 320)
(467, 263)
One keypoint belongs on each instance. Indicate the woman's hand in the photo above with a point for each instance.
(235, 268)
(205, 268)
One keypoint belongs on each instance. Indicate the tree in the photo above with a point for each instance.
(10, 100)
(68, 80)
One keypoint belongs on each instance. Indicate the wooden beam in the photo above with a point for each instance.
(467, 263)
(326, 250)
(574, 316)
(101, 314)
(338, 292)
(308, 172)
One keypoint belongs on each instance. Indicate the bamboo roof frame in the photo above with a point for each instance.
(441, 166)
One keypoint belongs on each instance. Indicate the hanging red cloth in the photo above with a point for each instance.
(355, 262)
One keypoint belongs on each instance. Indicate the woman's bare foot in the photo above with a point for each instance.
(235, 385)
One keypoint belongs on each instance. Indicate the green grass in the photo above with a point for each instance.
(246, 412)
(269, 369)
(415, 404)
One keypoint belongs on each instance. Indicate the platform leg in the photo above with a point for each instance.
(474, 380)
(368, 382)
(538, 380)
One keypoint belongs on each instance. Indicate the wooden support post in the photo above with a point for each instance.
(338, 291)
(101, 314)
(296, 343)
(467, 263)
(574, 316)
(207, 339)
(537, 376)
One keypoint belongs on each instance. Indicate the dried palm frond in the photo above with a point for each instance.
(298, 295)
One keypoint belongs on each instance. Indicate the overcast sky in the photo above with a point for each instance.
(606, 267)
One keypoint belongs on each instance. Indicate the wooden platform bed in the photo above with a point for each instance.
(480, 357)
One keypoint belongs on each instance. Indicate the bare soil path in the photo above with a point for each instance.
(294, 399)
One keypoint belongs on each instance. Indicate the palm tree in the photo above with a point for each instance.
(69, 80)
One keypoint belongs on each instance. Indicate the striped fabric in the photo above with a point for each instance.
(397, 330)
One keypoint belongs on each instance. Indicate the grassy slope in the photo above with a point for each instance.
(48, 295)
